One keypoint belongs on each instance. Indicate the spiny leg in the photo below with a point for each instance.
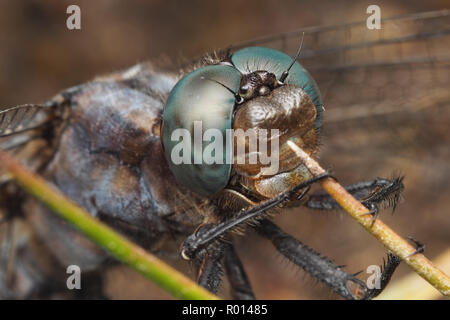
(372, 194)
(341, 282)
(210, 268)
(208, 233)
(376, 191)
(240, 286)
(388, 269)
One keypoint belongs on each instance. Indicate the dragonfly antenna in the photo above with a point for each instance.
(286, 73)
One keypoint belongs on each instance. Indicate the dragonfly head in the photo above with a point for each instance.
(216, 116)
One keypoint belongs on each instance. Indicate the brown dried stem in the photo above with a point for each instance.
(388, 237)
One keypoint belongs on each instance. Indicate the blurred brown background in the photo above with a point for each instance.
(39, 56)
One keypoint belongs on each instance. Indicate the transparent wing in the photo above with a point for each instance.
(20, 125)
(21, 118)
(386, 94)
(357, 68)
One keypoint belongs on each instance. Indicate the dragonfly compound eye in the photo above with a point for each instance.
(198, 112)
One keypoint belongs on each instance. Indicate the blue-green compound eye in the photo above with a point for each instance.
(200, 96)
(258, 58)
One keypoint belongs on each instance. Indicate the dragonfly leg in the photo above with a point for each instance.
(210, 268)
(372, 194)
(207, 233)
(420, 247)
(213, 262)
(373, 211)
(388, 269)
(341, 282)
(240, 285)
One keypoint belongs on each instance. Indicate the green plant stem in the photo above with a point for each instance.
(123, 249)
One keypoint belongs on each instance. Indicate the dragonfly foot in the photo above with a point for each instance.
(420, 247)
(373, 211)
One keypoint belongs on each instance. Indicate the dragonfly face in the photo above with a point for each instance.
(242, 92)
(100, 143)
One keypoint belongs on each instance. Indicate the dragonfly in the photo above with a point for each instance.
(383, 93)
